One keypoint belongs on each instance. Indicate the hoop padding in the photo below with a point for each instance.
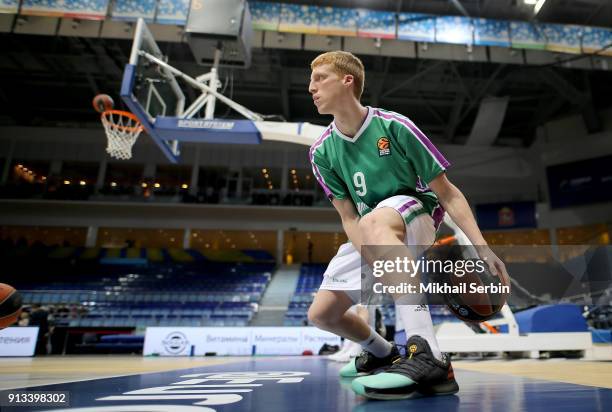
(122, 129)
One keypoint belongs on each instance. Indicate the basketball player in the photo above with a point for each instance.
(388, 183)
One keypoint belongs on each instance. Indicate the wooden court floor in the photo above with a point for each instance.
(23, 372)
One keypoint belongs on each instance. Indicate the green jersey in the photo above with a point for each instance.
(388, 156)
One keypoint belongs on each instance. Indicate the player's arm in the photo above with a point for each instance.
(457, 207)
(350, 220)
(430, 165)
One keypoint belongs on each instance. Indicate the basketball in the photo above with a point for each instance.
(481, 296)
(473, 293)
(103, 102)
(10, 305)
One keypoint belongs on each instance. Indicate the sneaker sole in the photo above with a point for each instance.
(446, 388)
(440, 390)
(359, 375)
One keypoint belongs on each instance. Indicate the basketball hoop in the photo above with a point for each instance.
(122, 129)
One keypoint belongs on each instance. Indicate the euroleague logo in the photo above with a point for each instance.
(384, 147)
(175, 343)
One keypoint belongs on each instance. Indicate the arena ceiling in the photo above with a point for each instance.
(583, 12)
(50, 80)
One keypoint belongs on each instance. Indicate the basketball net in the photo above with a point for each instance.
(122, 129)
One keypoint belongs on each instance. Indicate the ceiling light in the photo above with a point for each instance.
(144, 185)
(185, 186)
(264, 170)
(157, 185)
(530, 2)
(113, 184)
(82, 183)
(66, 182)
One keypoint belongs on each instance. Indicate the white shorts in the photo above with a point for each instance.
(344, 270)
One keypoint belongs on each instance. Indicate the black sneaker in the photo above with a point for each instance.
(328, 349)
(417, 374)
(366, 363)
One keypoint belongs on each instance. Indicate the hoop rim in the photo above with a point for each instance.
(106, 115)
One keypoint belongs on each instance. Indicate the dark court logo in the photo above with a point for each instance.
(175, 343)
(384, 147)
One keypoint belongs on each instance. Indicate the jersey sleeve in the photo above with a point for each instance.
(426, 159)
(329, 180)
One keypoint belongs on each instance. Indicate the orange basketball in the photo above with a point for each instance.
(476, 306)
(10, 305)
(475, 294)
(103, 102)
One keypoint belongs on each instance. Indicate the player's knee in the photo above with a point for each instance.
(322, 319)
(315, 317)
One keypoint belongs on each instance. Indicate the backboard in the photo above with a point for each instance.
(151, 91)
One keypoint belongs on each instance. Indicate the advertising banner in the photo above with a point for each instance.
(18, 341)
(235, 341)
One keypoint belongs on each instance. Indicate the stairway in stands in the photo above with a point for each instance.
(275, 301)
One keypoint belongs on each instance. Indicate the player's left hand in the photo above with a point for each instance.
(496, 266)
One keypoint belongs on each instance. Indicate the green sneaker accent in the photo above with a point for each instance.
(349, 370)
(362, 386)
(384, 381)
